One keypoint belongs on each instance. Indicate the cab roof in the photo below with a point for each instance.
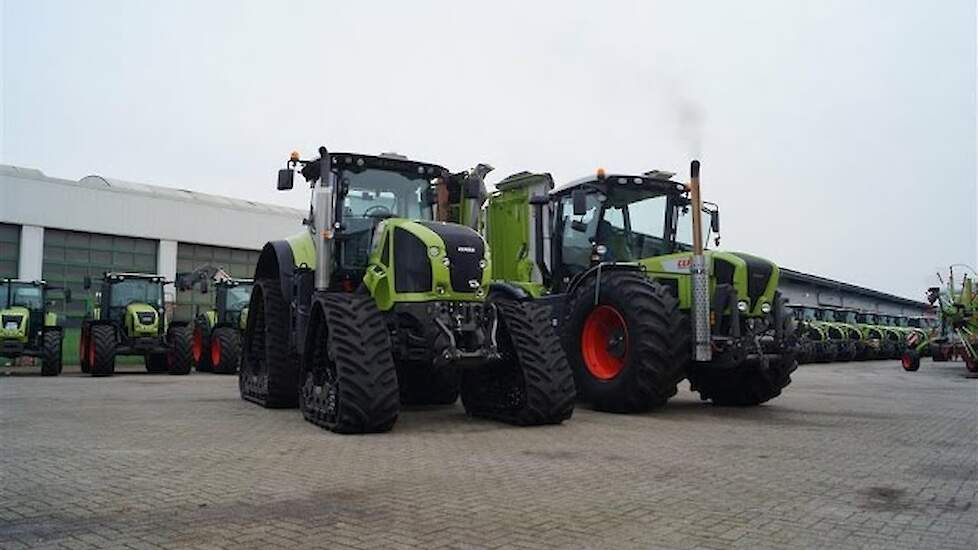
(652, 179)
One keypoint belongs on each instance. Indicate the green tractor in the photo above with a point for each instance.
(878, 345)
(217, 330)
(376, 304)
(128, 318)
(814, 344)
(619, 258)
(27, 326)
(847, 338)
(957, 333)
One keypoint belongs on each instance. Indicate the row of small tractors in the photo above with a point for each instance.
(126, 317)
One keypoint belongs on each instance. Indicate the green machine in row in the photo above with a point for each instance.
(618, 258)
(386, 299)
(217, 330)
(28, 328)
(128, 318)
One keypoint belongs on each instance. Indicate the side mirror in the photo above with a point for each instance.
(715, 221)
(203, 287)
(87, 282)
(579, 200)
(286, 178)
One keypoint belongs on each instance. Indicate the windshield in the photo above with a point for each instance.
(828, 315)
(24, 295)
(850, 317)
(132, 291)
(382, 193)
(238, 297)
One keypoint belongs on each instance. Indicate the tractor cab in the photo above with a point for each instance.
(804, 313)
(231, 300)
(134, 300)
(619, 218)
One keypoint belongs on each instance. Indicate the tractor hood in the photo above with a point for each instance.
(13, 323)
(416, 261)
(142, 320)
(754, 278)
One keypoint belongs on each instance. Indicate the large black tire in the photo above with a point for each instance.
(51, 358)
(102, 351)
(180, 358)
(349, 382)
(202, 345)
(428, 385)
(224, 350)
(745, 384)
(84, 362)
(533, 384)
(155, 363)
(910, 360)
(269, 373)
(656, 344)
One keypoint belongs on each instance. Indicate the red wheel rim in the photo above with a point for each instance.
(216, 352)
(907, 362)
(82, 351)
(198, 348)
(604, 342)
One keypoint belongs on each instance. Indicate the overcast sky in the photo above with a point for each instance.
(838, 137)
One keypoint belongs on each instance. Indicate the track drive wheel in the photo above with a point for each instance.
(533, 384)
(269, 373)
(349, 382)
(628, 351)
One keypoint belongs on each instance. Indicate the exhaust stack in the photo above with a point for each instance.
(701, 286)
(324, 220)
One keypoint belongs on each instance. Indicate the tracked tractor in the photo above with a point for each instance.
(28, 327)
(640, 305)
(128, 318)
(957, 335)
(217, 330)
(385, 299)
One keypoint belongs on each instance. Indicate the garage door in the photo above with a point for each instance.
(71, 255)
(9, 249)
(238, 262)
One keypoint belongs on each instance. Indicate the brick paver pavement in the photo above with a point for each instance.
(852, 455)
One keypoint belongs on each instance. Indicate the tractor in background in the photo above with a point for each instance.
(957, 335)
(814, 344)
(620, 260)
(847, 338)
(127, 317)
(28, 327)
(217, 330)
(385, 298)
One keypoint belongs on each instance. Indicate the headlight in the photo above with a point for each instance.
(765, 308)
(742, 306)
(445, 261)
(601, 249)
(434, 251)
(482, 264)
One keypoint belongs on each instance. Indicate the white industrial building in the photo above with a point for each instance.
(62, 230)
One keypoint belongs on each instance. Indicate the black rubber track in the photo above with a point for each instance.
(102, 337)
(181, 341)
(658, 343)
(427, 385)
(155, 363)
(349, 379)
(269, 373)
(533, 384)
(230, 341)
(204, 328)
(51, 359)
(746, 384)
